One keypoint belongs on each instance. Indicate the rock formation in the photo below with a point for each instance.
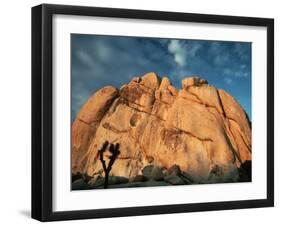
(199, 128)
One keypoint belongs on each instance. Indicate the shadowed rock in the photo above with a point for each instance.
(152, 172)
(174, 180)
(80, 185)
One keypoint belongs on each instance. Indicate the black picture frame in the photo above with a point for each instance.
(42, 107)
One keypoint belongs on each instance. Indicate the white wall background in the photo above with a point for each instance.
(15, 113)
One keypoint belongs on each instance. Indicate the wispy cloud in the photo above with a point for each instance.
(178, 51)
(182, 51)
(85, 58)
(241, 51)
(228, 80)
(235, 72)
(221, 59)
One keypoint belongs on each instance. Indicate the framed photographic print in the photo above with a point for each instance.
(145, 112)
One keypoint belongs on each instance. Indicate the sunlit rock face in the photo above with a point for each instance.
(201, 129)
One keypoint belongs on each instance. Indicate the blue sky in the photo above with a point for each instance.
(99, 60)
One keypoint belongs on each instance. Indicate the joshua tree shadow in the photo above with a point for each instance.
(114, 150)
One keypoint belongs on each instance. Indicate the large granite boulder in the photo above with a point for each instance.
(199, 128)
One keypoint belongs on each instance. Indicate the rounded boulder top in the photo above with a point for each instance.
(193, 81)
(151, 80)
